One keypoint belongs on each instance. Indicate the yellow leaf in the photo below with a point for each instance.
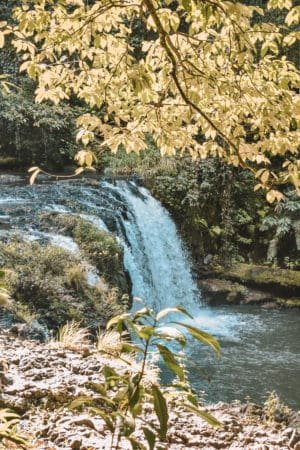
(33, 176)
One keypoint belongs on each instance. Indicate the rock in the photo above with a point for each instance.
(256, 296)
(84, 420)
(33, 330)
(221, 291)
(286, 280)
(294, 440)
(5, 222)
(76, 443)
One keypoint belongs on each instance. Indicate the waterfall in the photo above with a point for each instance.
(155, 257)
(261, 346)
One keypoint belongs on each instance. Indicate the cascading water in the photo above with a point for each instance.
(260, 349)
(155, 257)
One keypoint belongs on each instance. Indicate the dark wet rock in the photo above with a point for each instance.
(33, 330)
(222, 291)
(218, 291)
(5, 222)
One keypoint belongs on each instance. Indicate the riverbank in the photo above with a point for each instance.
(248, 284)
(40, 381)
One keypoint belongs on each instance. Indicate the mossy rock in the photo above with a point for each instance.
(269, 277)
(98, 246)
(8, 162)
(289, 303)
(218, 291)
(42, 282)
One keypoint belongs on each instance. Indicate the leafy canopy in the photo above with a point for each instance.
(203, 77)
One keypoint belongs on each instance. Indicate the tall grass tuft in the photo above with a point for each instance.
(72, 336)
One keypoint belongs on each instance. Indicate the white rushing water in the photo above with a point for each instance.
(158, 263)
(154, 255)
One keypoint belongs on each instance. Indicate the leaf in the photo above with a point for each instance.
(166, 311)
(202, 336)
(109, 373)
(170, 334)
(115, 320)
(33, 176)
(142, 313)
(80, 401)
(134, 399)
(170, 361)
(150, 437)
(161, 409)
(130, 348)
(135, 444)
(204, 415)
(265, 177)
(2, 39)
(106, 417)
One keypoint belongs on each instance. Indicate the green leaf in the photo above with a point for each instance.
(136, 445)
(97, 387)
(202, 336)
(170, 334)
(135, 398)
(150, 436)
(106, 417)
(80, 401)
(204, 415)
(115, 320)
(109, 373)
(130, 348)
(170, 361)
(142, 331)
(161, 409)
(142, 313)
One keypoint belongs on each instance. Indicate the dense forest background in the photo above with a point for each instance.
(214, 204)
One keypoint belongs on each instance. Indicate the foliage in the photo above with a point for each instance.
(214, 205)
(205, 79)
(109, 342)
(281, 223)
(8, 433)
(281, 218)
(122, 399)
(274, 410)
(33, 133)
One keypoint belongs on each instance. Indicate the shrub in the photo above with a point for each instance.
(123, 398)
